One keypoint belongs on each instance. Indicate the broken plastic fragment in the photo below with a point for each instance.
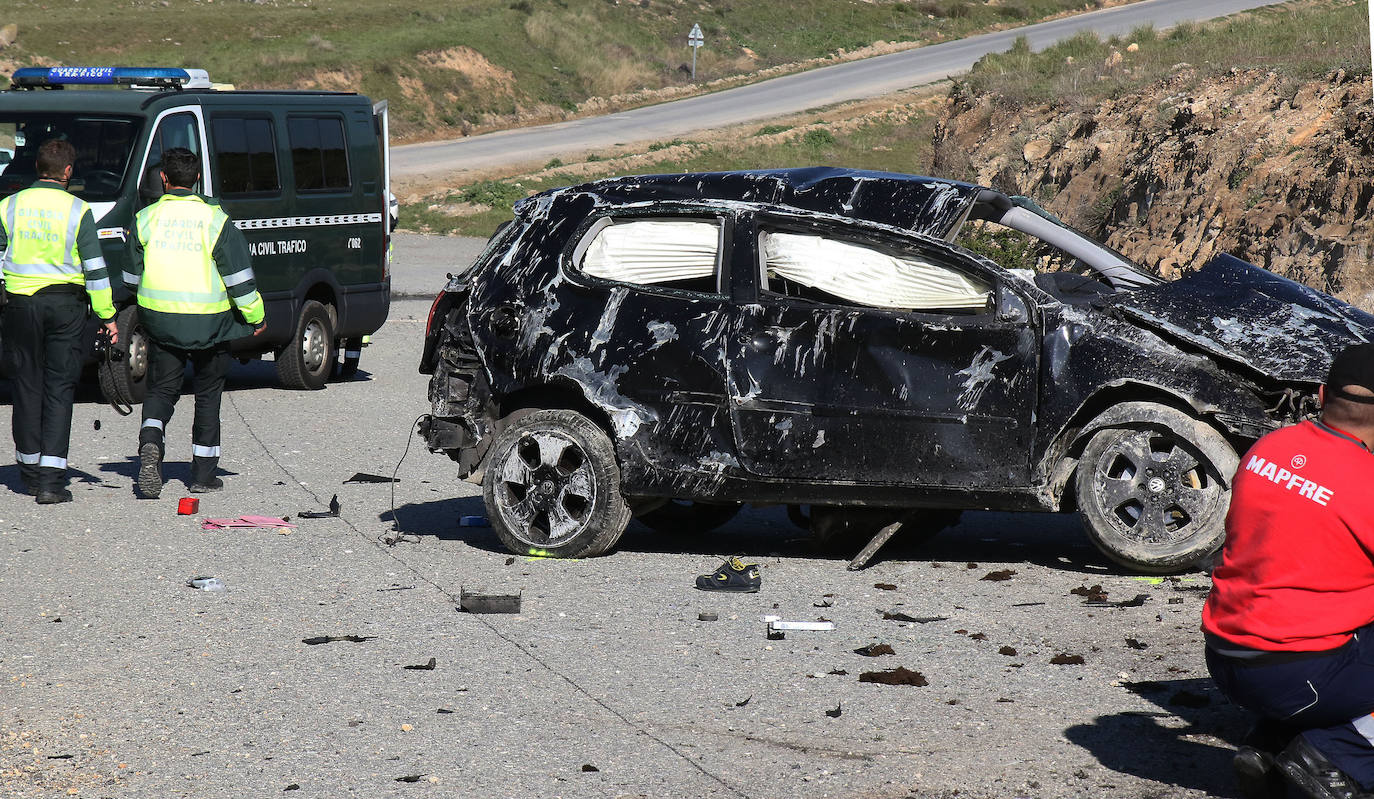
(212, 584)
(364, 477)
(427, 666)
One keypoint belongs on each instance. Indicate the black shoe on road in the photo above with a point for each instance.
(207, 487)
(1314, 776)
(53, 497)
(150, 470)
(733, 575)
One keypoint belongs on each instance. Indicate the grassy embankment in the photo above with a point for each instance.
(1297, 41)
(447, 68)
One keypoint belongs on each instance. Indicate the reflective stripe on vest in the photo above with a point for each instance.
(41, 226)
(179, 273)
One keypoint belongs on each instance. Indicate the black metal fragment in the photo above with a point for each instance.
(329, 639)
(426, 666)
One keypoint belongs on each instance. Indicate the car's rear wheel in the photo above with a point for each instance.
(308, 358)
(552, 487)
(1153, 494)
(688, 516)
(127, 379)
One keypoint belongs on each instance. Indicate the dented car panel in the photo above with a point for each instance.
(721, 375)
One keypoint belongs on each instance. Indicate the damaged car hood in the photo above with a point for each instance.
(1253, 317)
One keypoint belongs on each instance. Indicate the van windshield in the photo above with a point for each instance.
(103, 149)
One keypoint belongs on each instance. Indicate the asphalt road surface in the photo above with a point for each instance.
(789, 94)
(117, 680)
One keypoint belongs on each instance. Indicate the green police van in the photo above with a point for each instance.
(304, 175)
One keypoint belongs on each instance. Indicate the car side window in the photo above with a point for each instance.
(175, 130)
(672, 253)
(823, 269)
(319, 155)
(245, 152)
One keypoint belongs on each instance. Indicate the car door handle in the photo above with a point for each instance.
(757, 341)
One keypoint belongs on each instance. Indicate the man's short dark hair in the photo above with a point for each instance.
(181, 166)
(54, 156)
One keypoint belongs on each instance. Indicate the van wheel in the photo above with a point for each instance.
(306, 362)
(349, 365)
(552, 487)
(128, 380)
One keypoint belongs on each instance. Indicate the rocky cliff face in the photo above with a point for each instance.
(1277, 173)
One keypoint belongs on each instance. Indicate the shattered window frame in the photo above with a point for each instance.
(940, 253)
(581, 241)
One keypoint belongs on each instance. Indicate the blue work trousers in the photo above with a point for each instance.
(1328, 695)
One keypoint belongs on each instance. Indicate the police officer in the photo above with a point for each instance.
(52, 263)
(190, 268)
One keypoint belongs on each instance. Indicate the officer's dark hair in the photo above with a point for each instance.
(54, 156)
(181, 166)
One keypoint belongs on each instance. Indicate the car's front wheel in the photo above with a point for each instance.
(1153, 494)
(552, 486)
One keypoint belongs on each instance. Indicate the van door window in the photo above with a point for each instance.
(175, 130)
(245, 152)
(319, 155)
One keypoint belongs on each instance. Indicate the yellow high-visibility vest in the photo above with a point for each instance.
(179, 273)
(41, 225)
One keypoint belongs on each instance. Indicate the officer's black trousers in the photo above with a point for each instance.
(42, 341)
(165, 366)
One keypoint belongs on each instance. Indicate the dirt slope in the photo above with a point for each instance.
(1276, 172)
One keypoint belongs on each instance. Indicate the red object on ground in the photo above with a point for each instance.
(188, 506)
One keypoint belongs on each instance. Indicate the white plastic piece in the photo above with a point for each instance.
(811, 626)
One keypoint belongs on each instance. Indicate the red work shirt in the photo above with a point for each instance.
(1297, 573)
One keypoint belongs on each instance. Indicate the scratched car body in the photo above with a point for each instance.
(818, 337)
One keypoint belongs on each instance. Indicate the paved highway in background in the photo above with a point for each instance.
(855, 80)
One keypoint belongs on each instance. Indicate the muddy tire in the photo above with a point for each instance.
(686, 516)
(128, 380)
(1153, 494)
(307, 360)
(552, 487)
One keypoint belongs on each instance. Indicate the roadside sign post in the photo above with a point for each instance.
(695, 39)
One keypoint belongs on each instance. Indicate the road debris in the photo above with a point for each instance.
(1065, 659)
(474, 521)
(708, 617)
(333, 512)
(732, 576)
(744, 701)
(246, 522)
(1009, 651)
(472, 602)
(1134, 602)
(364, 477)
(427, 666)
(329, 639)
(588, 768)
(834, 714)
(885, 586)
(874, 650)
(1134, 644)
(778, 629)
(896, 616)
(1092, 594)
(999, 575)
(898, 676)
(411, 778)
(188, 506)
(212, 584)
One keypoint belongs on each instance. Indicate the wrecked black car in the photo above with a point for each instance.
(672, 346)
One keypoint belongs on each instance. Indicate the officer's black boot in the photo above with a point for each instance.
(149, 462)
(203, 479)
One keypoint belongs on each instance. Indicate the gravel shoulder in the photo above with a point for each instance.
(116, 680)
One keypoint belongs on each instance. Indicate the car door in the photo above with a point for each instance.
(879, 359)
(650, 332)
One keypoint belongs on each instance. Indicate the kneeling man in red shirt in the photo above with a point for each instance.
(1290, 620)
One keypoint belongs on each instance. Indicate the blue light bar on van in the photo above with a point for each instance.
(32, 77)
